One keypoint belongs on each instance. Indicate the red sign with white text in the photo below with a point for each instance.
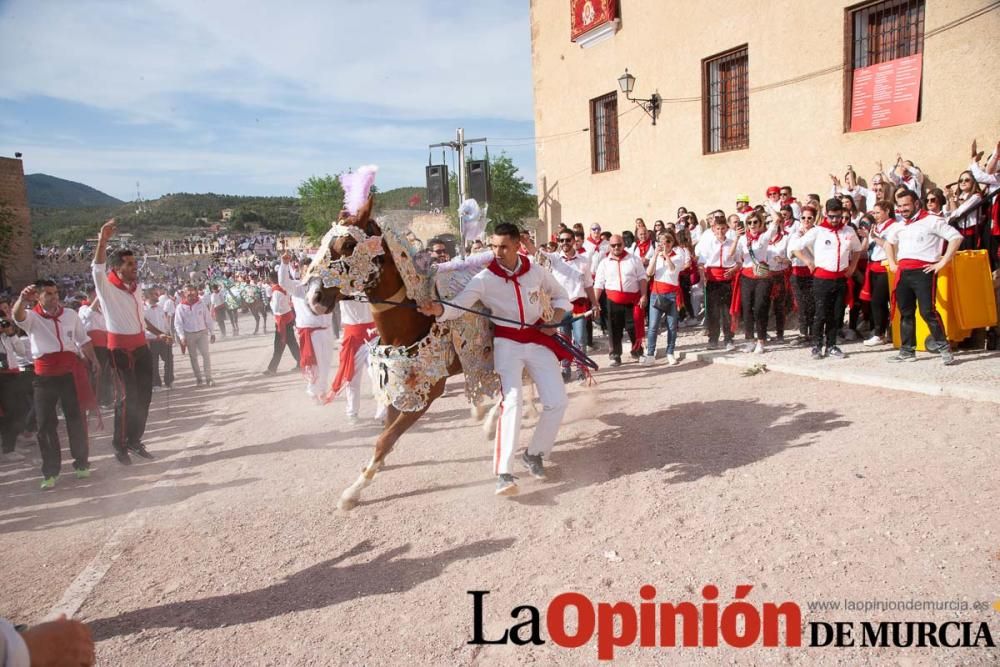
(589, 14)
(886, 94)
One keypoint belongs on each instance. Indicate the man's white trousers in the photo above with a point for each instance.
(511, 359)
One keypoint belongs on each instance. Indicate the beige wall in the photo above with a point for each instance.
(796, 131)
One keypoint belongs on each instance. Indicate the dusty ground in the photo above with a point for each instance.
(229, 550)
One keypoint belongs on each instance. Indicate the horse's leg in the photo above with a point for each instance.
(399, 422)
(530, 396)
(490, 425)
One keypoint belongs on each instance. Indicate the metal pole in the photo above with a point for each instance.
(460, 136)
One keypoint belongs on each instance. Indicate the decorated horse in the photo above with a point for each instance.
(414, 355)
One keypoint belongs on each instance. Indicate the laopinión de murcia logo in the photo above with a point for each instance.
(571, 620)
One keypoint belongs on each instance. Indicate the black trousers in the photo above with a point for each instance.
(103, 377)
(162, 351)
(685, 283)
(880, 302)
(291, 342)
(755, 297)
(49, 391)
(918, 289)
(718, 296)
(134, 390)
(828, 296)
(780, 301)
(26, 384)
(14, 412)
(220, 319)
(803, 288)
(620, 319)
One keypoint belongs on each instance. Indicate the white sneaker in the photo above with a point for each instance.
(647, 360)
(671, 360)
(873, 341)
(758, 348)
(749, 347)
(353, 419)
(730, 346)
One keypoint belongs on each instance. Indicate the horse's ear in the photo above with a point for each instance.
(365, 212)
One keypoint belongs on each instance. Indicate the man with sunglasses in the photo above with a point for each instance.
(571, 269)
(831, 250)
(716, 262)
(622, 277)
(913, 249)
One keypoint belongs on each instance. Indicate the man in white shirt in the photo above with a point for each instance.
(358, 330)
(92, 316)
(913, 249)
(193, 325)
(160, 347)
(284, 325)
(119, 292)
(316, 339)
(831, 250)
(622, 277)
(57, 341)
(512, 287)
(717, 265)
(12, 406)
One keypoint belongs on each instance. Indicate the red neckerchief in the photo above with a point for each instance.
(595, 240)
(751, 237)
(191, 303)
(787, 202)
(569, 259)
(919, 216)
(779, 233)
(746, 208)
(278, 288)
(117, 281)
(826, 225)
(643, 246)
(495, 268)
(41, 311)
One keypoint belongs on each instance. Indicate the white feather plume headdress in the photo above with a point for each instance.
(357, 186)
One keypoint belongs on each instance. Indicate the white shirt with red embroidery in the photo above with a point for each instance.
(620, 274)
(680, 258)
(65, 334)
(506, 299)
(921, 238)
(573, 273)
(122, 309)
(831, 249)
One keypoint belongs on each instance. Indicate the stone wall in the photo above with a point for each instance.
(16, 270)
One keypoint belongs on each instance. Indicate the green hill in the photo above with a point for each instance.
(46, 191)
(179, 214)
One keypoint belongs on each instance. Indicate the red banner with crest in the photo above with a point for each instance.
(585, 15)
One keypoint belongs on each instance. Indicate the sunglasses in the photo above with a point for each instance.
(933, 200)
(565, 240)
(833, 216)
(808, 217)
(616, 245)
(965, 180)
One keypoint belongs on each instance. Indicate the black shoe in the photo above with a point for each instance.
(141, 450)
(269, 372)
(567, 375)
(836, 353)
(615, 362)
(533, 462)
(817, 352)
(210, 383)
(199, 383)
(902, 357)
(713, 345)
(778, 340)
(123, 457)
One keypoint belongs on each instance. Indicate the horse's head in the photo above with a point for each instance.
(347, 262)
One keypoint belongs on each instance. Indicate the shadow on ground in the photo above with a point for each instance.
(322, 585)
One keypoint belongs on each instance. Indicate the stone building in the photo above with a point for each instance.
(18, 269)
(753, 94)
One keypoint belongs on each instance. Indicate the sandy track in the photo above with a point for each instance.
(229, 549)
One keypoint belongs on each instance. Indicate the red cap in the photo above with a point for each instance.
(773, 190)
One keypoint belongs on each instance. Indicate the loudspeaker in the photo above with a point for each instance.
(437, 186)
(479, 180)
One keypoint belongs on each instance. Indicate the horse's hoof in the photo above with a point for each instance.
(347, 504)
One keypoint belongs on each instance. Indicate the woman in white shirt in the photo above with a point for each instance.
(663, 273)
(963, 209)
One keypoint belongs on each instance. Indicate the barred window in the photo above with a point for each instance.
(886, 30)
(726, 101)
(604, 133)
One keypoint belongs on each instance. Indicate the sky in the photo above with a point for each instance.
(253, 97)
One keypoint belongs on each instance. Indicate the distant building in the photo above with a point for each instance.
(227, 214)
(754, 94)
(18, 269)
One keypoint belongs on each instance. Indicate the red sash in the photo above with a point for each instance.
(66, 363)
(532, 335)
(638, 316)
(667, 288)
(98, 337)
(801, 271)
(281, 323)
(736, 303)
(716, 274)
(581, 305)
(355, 335)
(127, 342)
(307, 353)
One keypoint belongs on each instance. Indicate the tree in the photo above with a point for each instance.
(322, 198)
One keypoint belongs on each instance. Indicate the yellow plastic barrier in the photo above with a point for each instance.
(977, 304)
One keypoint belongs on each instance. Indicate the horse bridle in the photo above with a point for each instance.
(352, 274)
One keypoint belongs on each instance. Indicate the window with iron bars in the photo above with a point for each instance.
(604, 133)
(726, 101)
(878, 32)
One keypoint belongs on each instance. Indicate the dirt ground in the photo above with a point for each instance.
(229, 550)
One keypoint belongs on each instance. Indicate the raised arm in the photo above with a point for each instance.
(107, 231)
(285, 279)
